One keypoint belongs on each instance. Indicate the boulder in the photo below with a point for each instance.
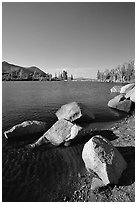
(101, 157)
(73, 111)
(131, 95)
(62, 131)
(116, 89)
(125, 106)
(113, 102)
(120, 103)
(127, 88)
(26, 128)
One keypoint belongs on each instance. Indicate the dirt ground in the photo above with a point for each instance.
(124, 140)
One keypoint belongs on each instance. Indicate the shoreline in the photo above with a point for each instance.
(75, 184)
(124, 131)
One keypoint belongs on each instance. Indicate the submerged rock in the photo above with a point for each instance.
(62, 131)
(100, 156)
(73, 111)
(127, 88)
(131, 95)
(116, 89)
(26, 128)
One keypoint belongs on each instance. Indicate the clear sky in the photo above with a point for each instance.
(79, 37)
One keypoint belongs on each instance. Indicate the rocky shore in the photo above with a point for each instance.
(124, 191)
(40, 184)
(81, 163)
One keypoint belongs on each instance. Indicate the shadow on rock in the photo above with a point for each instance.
(128, 176)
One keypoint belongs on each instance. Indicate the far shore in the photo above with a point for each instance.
(92, 80)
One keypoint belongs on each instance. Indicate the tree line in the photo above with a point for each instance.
(19, 75)
(122, 73)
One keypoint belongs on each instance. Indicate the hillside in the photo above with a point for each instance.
(10, 68)
(37, 70)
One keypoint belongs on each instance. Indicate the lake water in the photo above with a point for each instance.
(48, 173)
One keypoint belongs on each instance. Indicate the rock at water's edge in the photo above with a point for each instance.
(112, 103)
(26, 128)
(62, 131)
(116, 89)
(73, 111)
(100, 156)
(127, 88)
(125, 106)
(120, 103)
(131, 95)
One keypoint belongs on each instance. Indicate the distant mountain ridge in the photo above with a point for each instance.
(9, 68)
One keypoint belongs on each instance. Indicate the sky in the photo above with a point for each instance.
(79, 37)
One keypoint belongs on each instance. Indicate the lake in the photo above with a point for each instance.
(48, 173)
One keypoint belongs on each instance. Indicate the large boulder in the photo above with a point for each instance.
(73, 111)
(125, 106)
(113, 102)
(62, 131)
(101, 157)
(120, 103)
(116, 89)
(26, 128)
(131, 95)
(127, 88)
